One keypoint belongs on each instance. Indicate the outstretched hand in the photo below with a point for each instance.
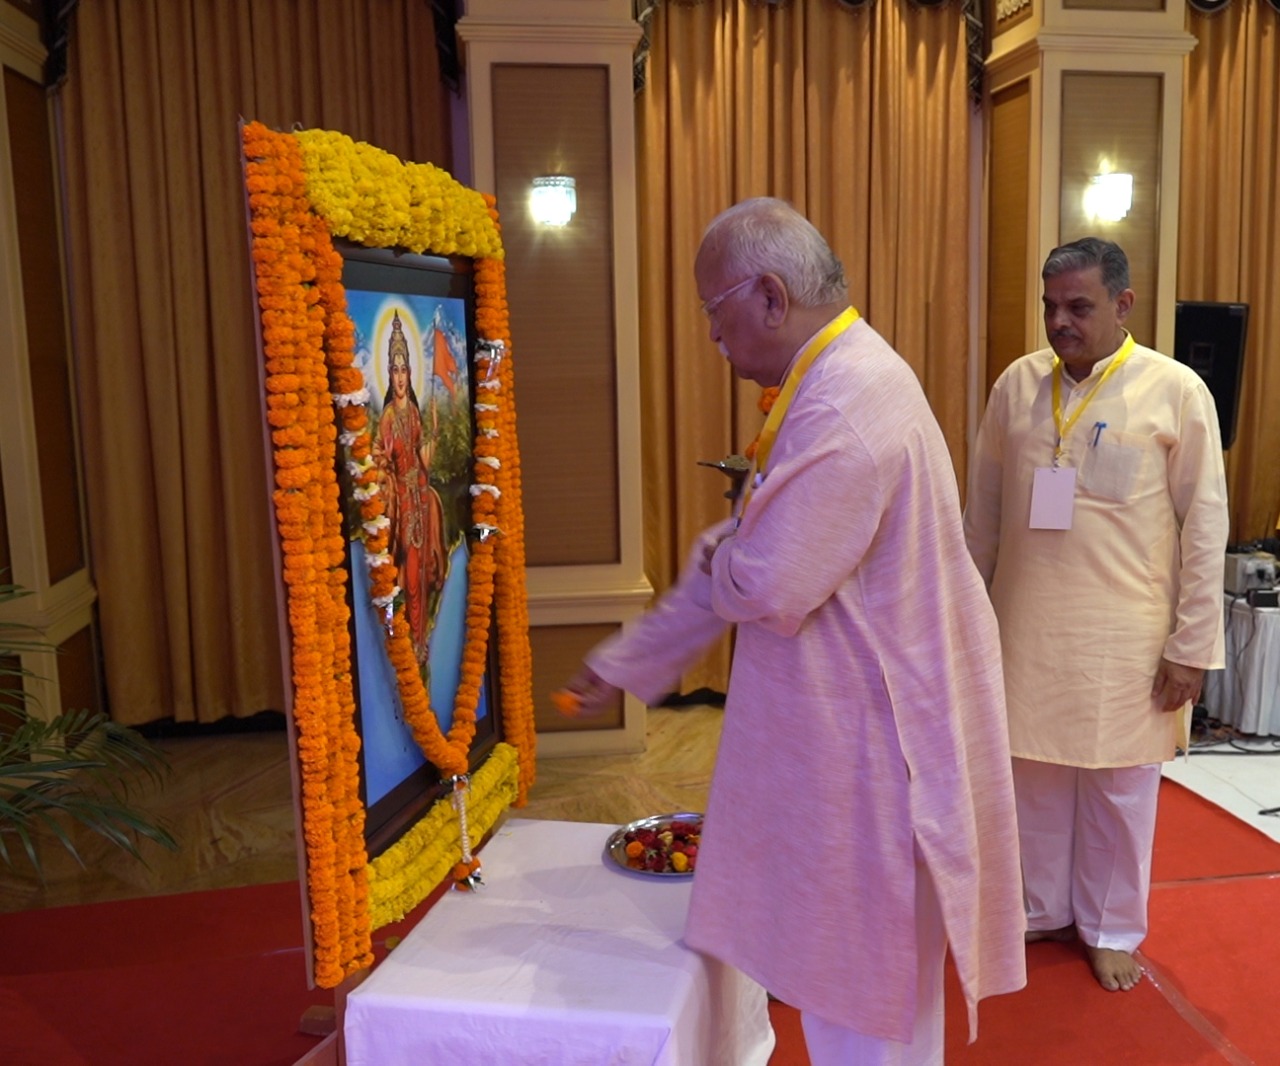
(585, 695)
(1176, 684)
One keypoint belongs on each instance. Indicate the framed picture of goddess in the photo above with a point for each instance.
(414, 335)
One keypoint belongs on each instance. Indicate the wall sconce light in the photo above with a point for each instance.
(553, 200)
(1108, 197)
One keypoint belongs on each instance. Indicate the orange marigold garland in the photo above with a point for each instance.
(765, 404)
(305, 188)
(515, 658)
(300, 414)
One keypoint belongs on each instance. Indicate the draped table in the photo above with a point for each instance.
(559, 959)
(1246, 694)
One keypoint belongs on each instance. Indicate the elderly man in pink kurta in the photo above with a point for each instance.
(1097, 513)
(860, 816)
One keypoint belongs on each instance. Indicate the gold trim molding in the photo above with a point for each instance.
(20, 44)
(1007, 9)
(1163, 44)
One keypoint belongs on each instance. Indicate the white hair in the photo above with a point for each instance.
(765, 235)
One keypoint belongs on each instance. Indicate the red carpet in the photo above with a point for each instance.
(1215, 944)
(1213, 952)
(199, 978)
(217, 978)
(1195, 839)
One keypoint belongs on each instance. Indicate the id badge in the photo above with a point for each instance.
(1053, 496)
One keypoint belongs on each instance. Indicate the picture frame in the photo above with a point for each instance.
(426, 303)
(307, 191)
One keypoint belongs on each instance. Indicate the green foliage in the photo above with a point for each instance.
(75, 769)
(454, 444)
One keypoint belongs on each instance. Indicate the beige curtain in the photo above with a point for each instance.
(858, 118)
(163, 318)
(1229, 228)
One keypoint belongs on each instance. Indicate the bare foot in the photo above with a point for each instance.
(1060, 936)
(1116, 971)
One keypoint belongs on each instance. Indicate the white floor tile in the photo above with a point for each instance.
(1241, 784)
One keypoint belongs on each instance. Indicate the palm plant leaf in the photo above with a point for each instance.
(76, 769)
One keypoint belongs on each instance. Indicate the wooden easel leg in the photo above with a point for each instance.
(327, 1022)
(324, 1053)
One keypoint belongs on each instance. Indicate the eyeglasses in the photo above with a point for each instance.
(709, 308)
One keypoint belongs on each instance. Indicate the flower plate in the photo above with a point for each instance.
(615, 849)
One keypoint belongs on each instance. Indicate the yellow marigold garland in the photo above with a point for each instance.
(425, 854)
(305, 188)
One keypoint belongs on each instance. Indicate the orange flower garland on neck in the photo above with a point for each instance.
(765, 405)
(304, 188)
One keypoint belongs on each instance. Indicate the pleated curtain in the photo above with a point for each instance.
(163, 316)
(1229, 228)
(861, 119)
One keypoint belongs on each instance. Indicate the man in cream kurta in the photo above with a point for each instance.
(860, 816)
(1108, 625)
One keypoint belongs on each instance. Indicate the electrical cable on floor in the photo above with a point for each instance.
(1210, 726)
(1210, 746)
(1215, 734)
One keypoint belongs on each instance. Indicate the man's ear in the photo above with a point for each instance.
(777, 300)
(1124, 304)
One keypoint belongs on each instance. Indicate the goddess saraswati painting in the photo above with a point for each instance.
(402, 451)
(412, 350)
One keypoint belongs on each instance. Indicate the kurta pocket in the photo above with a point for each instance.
(1111, 467)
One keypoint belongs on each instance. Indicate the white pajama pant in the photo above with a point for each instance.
(829, 1044)
(1086, 838)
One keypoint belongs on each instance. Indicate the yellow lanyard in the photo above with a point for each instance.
(778, 412)
(1063, 429)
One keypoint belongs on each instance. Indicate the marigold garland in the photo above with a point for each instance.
(425, 854)
(765, 404)
(305, 188)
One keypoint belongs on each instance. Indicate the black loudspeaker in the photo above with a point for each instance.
(1209, 338)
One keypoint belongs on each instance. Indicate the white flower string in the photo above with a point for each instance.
(492, 352)
(385, 604)
(357, 467)
(467, 874)
(346, 399)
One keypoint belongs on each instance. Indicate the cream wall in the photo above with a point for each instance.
(565, 66)
(43, 542)
(1051, 49)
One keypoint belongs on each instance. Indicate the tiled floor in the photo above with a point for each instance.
(229, 801)
(1240, 775)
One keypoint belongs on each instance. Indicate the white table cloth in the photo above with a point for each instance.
(1246, 694)
(560, 960)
